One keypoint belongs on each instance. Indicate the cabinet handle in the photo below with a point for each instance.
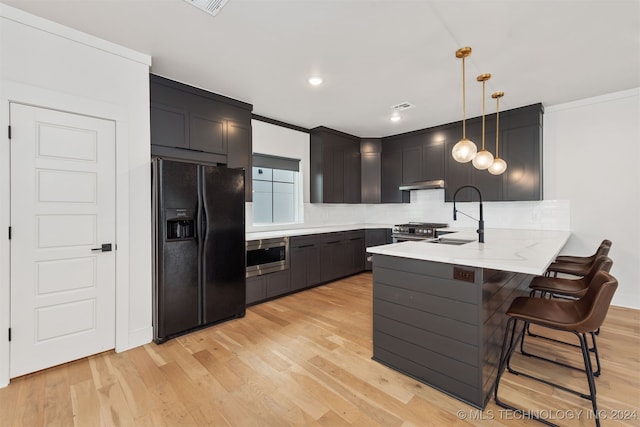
(331, 243)
(305, 246)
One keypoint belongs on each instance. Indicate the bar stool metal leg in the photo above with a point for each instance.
(508, 346)
(593, 349)
(505, 362)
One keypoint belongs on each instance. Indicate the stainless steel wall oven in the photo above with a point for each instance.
(267, 256)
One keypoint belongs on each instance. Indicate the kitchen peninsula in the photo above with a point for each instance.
(438, 308)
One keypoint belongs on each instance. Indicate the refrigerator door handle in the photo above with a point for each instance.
(201, 222)
(204, 217)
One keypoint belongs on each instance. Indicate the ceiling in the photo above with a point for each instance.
(373, 54)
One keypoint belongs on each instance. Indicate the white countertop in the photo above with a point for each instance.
(257, 235)
(520, 251)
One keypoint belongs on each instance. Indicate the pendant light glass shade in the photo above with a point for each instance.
(483, 159)
(465, 150)
(499, 165)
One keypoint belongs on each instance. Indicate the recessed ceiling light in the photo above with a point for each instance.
(395, 118)
(315, 81)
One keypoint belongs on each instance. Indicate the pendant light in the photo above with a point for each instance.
(464, 150)
(483, 159)
(499, 165)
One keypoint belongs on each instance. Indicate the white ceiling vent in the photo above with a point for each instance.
(210, 6)
(403, 106)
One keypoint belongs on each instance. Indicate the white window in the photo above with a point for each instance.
(275, 190)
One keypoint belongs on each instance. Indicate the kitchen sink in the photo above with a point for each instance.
(455, 242)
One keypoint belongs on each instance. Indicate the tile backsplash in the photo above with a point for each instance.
(429, 205)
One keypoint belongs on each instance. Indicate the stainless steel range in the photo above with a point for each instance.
(416, 231)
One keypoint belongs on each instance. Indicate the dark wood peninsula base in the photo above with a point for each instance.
(442, 324)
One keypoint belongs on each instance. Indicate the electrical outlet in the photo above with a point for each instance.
(464, 275)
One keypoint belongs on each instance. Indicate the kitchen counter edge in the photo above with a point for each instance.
(273, 234)
(520, 251)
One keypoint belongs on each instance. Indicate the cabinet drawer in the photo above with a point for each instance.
(332, 238)
(352, 235)
(304, 241)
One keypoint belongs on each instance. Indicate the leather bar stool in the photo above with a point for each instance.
(574, 288)
(568, 288)
(582, 259)
(578, 317)
(577, 266)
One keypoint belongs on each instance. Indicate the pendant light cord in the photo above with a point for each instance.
(464, 108)
(497, 125)
(483, 86)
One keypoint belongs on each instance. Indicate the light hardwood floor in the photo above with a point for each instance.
(304, 360)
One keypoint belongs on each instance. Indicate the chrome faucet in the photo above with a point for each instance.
(480, 229)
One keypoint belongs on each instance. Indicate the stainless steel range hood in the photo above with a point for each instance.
(423, 185)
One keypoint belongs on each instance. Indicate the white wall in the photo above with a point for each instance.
(591, 157)
(45, 64)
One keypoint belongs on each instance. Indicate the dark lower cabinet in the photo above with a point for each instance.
(354, 252)
(267, 286)
(375, 237)
(333, 257)
(316, 259)
(277, 283)
(304, 261)
(256, 289)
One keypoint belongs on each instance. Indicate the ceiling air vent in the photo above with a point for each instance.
(210, 6)
(403, 106)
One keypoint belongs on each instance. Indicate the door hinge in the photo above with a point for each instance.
(9, 334)
(9, 131)
(9, 233)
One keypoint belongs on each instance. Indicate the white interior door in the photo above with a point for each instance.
(62, 209)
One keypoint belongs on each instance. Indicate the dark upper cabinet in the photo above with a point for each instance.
(370, 170)
(352, 176)
(521, 149)
(192, 124)
(409, 158)
(520, 146)
(207, 134)
(240, 153)
(491, 186)
(169, 126)
(335, 167)
(433, 159)
(391, 175)
(425, 155)
(456, 175)
(411, 164)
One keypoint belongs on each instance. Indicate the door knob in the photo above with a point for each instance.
(106, 247)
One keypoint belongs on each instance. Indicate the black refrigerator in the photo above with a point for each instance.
(199, 244)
